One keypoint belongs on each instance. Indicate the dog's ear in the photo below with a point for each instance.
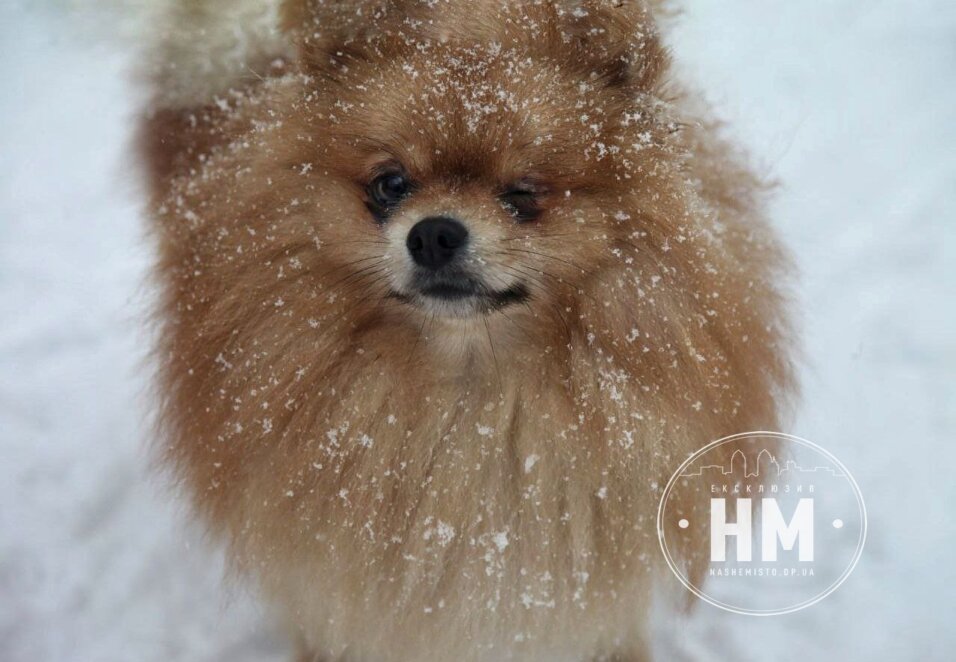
(616, 40)
(331, 34)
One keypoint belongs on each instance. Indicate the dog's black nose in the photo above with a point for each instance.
(434, 241)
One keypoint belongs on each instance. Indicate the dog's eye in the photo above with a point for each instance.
(387, 190)
(522, 202)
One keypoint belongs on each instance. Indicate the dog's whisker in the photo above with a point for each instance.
(370, 242)
(524, 274)
(560, 281)
(360, 272)
(377, 288)
(418, 338)
(346, 265)
(518, 326)
(494, 354)
(532, 237)
(550, 257)
(527, 271)
(584, 272)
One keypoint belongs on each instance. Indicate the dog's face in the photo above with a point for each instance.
(463, 178)
(492, 184)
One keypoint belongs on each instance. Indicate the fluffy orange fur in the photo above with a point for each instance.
(407, 484)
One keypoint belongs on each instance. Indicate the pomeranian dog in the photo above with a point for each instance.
(449, 289)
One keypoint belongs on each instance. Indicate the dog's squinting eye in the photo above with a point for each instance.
(521, 202)
(387, 190)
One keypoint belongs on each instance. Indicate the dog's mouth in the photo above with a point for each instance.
(461, 297)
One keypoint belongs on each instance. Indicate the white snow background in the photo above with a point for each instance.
(850, 104)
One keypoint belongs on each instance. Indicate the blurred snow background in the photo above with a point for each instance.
(851, 104)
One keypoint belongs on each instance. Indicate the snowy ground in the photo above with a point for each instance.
(850, 103)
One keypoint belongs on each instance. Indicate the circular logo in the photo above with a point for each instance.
(762, 523)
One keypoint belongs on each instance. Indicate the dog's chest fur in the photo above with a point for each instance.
(514, 499)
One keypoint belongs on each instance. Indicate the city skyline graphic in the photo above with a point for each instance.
(765, 463)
